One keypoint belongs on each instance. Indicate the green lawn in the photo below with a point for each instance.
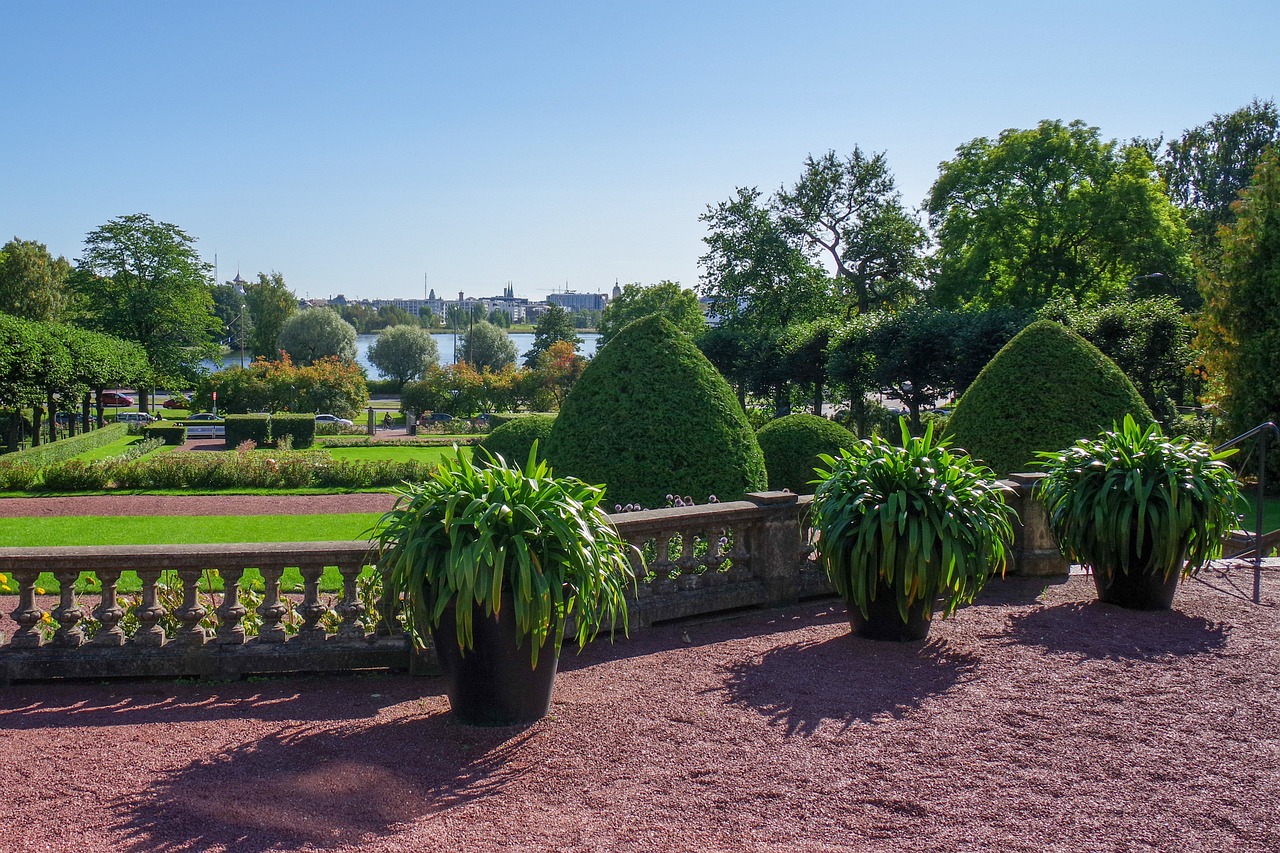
(182, 529)
(115, 448)
(1270, 514)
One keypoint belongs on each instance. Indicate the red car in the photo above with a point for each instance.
(111, 398)
(176, 403)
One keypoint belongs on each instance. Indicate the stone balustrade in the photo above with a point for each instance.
(691, 561)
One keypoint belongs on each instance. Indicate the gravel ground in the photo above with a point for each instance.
(1034, 720)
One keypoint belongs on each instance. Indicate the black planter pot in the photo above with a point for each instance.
(884, 622)
(493, 684)
(1135, 589)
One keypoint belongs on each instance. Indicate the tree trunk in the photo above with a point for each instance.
(144, 400)
(781, 401)
(53, 419)
(37, 416)
(817, 398)
(84, 412)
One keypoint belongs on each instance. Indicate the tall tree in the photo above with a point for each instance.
(148, 284)
(484, 345)
(317, 333)
(1208, 166)
(404, 353)
(1050, 211)
(231, 309)
(33, 283)
(678, 305)
(1240, 324)
(271, 303)
(553, 325)
(848, 212)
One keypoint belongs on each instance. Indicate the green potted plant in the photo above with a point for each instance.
(902, 529)
(492, 561)
(1139, 508)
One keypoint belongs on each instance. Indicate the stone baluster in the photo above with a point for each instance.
(26, 615)
(638, 568)
(108, 612)
(311, 610)
(351, 608)
(68, 614)
(713, 560)
(272, 610)
(662, 566)
(191, 612)
(688, 562)
(150, 612)
(232, 611)
(739, 555)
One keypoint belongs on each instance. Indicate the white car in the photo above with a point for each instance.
(332, 419)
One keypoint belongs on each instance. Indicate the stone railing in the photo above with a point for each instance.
(697, 560)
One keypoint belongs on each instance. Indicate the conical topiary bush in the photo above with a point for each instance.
(1047, 388)
(649, 417)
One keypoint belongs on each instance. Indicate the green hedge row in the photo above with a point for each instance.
(420, 441)
(47, 454)
(497, 419)
(264, 430)
(168, 432)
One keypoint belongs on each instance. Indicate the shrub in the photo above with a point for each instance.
(652, 416)
(18, 477)
(47, 454)
(76, 475)
(1047, 388)
(300, 428)
(255, 428)
(791, 446)
(514, 438)
(497, 419)
(168, 432)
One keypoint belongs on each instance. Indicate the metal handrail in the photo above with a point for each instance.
(1262, 432)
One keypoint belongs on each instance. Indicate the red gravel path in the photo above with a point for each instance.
(1026, 722)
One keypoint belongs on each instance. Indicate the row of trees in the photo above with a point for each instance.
(831, 280)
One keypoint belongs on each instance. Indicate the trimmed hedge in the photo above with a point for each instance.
(168, 432)
(497, 419)
(47, 454)
(1047, 388)
(241, 428)
(301, 428)
(651, 416)
(513, 439)
(791, 446)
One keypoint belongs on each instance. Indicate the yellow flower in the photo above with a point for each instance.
(45, 617)
(39, 591)
(4, 579)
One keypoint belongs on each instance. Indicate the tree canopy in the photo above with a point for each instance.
(147, 283)
(667, 298)
(1051, 211)
(553, 325)
(317, 333)
(271, 303)
(485, 346)
(33, 283)
(404, 353)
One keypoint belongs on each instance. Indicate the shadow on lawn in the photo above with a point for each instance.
(1103, 631)
(323, 788)
(845, 679)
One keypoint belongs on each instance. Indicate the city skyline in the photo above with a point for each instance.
(355, 149)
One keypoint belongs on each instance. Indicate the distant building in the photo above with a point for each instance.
(571, 301)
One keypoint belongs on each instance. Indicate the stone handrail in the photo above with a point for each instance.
(696, 560)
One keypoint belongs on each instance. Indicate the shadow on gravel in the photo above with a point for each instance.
(845, 680)
(1103, 631)
(303, 787)
(84, 705)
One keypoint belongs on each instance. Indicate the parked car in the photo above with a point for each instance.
(134, 418)
(440, 417)
(332, 419)
(203, 416)
(176, 403)
(111, 398)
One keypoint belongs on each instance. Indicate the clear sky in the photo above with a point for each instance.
(364, 147)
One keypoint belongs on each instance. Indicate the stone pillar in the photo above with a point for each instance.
(1034, 550)
(777, 546)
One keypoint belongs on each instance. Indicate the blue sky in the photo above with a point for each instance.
(358, 147)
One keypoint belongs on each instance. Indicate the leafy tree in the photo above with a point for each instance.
(1208, 166)
(667, 298)
(848, 212)
(484, 345)
(149, 285)
(754, 271)
(404, 353)
(1240, 325)
(393, 315)
(329, 385)
(557, 370)
(359, 315)
(553, 325)
(318, 333)
(271, 303)
(33, 283)
(1053, 211)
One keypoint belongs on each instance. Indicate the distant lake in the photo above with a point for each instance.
(444, 342)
